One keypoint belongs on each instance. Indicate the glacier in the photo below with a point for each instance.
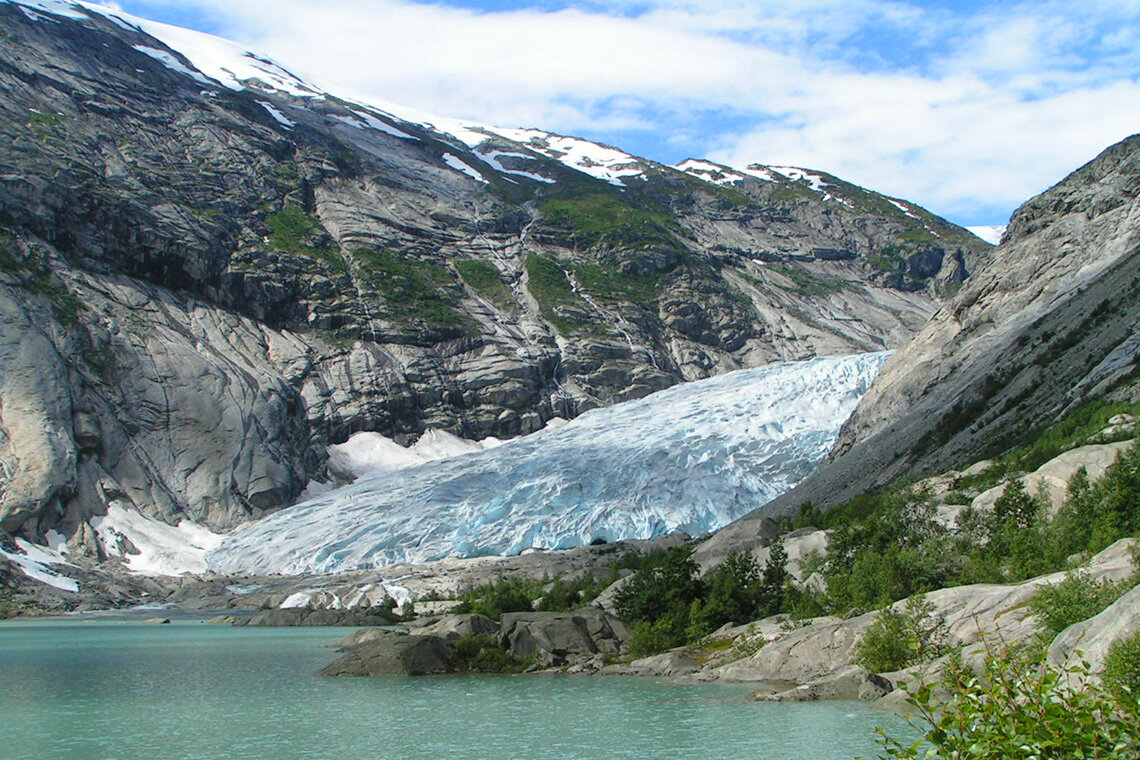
(690, 458)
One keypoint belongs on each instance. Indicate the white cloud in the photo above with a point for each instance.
(964, 113)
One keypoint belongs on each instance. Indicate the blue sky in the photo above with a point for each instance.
(968, 107)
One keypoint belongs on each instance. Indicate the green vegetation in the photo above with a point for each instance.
(1122, 670)
(518, 594)
(46, 124)
(668, 604)
(550, 286)
(485, 280)
(40, 280)
(595, 220)
(298, 233)
(482, 654)
(886, 545)
(611, 282)
(8, 260)
(414, 290)
(1019, 709)
(807, 283)
(1074, 599)
(1080, 426)
(898, 640)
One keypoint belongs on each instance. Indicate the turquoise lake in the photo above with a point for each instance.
(189, 691)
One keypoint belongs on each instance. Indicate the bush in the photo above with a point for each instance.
(1078, 597)
(480, 654)
(1017, 710)
(648, 638)
(495, 598)
(897, 640)
(1122, 670)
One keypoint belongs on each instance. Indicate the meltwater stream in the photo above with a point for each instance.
(189, 691)
(690, 458)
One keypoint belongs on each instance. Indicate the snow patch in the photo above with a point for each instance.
(54, 7)
(462, 168)
(172, 63)
(690, 458)
(709, 172)
(277, 115)
(162, 549)
(492, 159)
(37, 562)
(815, 181)
(903, 208)
(368, 121)
(369, 453)
(598, 161)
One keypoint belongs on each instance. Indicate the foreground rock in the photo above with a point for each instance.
(555, 638)
(851, 682)
(576, 641)
(396, 654)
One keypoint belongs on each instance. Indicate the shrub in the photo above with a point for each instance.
(648, 638)
(481, 654)
(897, 640)
(1122, 670)
(495, 598)
(1018, 709)
(1078, 597)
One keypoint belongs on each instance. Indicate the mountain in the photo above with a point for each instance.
(210, 271)
(1048, 324)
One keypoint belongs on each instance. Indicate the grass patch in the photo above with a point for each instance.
(414, 290)
(809, 284)
(551, 287)
(293, 231)
(594, 220)
(611, 282)
(484, 279)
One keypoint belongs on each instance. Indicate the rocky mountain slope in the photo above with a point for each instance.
(1047, 324)
(209, 271)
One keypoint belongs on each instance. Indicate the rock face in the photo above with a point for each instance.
(553, 638)
(204, 283)
(1046, 323)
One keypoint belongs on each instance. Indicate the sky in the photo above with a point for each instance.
(968, 108)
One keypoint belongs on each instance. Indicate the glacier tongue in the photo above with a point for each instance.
(690, 458)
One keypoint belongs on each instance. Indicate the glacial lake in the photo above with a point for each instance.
(188, 691)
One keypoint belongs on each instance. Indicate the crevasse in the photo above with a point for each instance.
(690, 458)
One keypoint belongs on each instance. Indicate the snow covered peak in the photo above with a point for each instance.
(690, 458)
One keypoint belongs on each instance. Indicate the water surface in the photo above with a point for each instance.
(190, 691)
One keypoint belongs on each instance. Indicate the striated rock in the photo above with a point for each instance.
(1044, 325)
(395, 655)
(555, 637)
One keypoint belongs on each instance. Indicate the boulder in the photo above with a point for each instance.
(452, 627)
(395, 655)
(851, 682)
(555, 637)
